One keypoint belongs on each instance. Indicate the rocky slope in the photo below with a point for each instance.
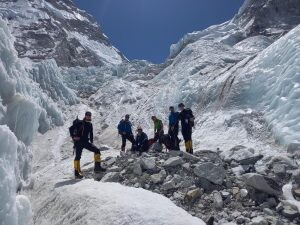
(51, 29)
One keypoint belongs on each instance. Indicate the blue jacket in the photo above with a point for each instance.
(125, 126)
(173, 118)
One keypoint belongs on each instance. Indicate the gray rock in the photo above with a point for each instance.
(148, 163)
(279, 169)
(289, 213)
(240, 220)
(279, 207)
(259, 221)
(218, 200)
(156, 147)
(268, 211)
(251, 160)
(294, 148)
(114, 169)
(110, 161)
(169, 185)
(159, 177)
(137, 169)
(186, 166)
(174, 161)
(296, 176)
(297, 192)
(244, 193)
(111, 177)
(262, 183)
(211, 172)
(184, 155)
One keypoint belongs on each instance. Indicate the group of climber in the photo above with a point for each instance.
(170, 140)
(82, 135)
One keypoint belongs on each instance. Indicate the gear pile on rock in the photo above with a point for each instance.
(216, 188)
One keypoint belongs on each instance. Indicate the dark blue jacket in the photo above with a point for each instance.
(173, 118)
(125, 126)
(142, 139)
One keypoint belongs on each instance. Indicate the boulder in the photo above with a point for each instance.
(207, 186)
(296, 176)
(279, 169)
(110, 161)
(174, 161)
(262, 183)
(213, 173)
(289, 212)
(192, 195)
(148, 163)
(218, 200)
(111, 177)
(169, 185)
(137, 169)
(156, 147)
(159, 177)
(250, 160)
(297, 192)
(114, 169)
(185, 155)
(259, 221)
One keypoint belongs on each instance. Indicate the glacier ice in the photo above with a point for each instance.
(14, 209)
(271, 83)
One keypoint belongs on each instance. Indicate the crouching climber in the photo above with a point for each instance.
(141, 141)
(158, 129)
(82, 134)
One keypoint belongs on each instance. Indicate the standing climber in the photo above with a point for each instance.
(158, 129)
(82, 134)
(125, 130)
(141, 141)
(173, 128)
(187, 123)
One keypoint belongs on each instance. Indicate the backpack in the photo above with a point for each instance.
(191, 117)
(76, 127)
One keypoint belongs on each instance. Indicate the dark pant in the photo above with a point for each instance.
(142, 148)
(128, 137)
(174, 138)
(187, 134)
(79, 146)
(159, 136)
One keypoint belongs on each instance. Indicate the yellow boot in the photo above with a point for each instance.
(187, 147)
(191, 147)
(98, 168)
(77, 169)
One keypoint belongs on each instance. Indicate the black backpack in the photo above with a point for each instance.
(76, 127)
(190, 117)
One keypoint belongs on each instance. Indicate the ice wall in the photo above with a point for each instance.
(14, 209)
(32, 98)
(271, 83)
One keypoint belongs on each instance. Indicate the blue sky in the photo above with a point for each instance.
(145, 29)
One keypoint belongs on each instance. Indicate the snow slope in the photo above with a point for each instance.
(92, 202)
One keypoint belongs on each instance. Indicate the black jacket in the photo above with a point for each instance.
(141, 139)
(186, 118)
(84, 130)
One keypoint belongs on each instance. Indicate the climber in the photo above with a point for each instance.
(141, 141)
(125, 130)
(158, 129)
(173, 128)
(82, 134)
(187, 123)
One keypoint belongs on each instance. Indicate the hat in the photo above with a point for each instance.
(88, 113)
(181, 105)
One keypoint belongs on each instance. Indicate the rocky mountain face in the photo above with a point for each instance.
(270, 18)
(57, 29)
